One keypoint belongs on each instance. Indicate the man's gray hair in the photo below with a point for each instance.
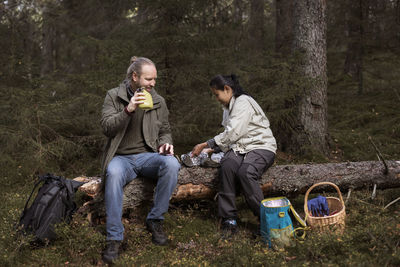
(136, 66)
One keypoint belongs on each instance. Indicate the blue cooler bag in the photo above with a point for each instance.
(276, 224)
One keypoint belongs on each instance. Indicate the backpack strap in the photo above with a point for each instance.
(68, 195)
(40, 180)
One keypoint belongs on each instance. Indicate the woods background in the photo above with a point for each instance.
(327, 74)
(308, 64)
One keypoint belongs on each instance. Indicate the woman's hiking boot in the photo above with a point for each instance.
(110, 253)
(155, 227)
(229, 228)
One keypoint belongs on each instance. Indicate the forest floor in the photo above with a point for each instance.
(371, 237)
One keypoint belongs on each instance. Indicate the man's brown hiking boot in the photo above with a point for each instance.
(110, 253)
(156, 229)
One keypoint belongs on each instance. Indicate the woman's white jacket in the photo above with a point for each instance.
(246, 127)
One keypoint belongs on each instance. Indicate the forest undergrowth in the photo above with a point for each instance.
(31, 146)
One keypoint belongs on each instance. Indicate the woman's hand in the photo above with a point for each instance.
(207, 150)
(198, 148)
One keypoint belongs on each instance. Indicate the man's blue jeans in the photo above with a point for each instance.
(123, 169)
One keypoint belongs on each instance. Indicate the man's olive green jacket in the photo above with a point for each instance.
(114, 121)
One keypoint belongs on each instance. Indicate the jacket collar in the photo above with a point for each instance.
(122, 92)
(231, 103)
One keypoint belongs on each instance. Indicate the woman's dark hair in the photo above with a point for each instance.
(219, 81)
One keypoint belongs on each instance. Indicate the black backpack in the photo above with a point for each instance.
(54, 203)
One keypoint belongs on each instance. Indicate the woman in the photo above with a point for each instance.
(249, 147)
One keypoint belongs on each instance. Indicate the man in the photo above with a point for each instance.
(139, 144)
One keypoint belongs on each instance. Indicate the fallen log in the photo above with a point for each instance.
(286, 180)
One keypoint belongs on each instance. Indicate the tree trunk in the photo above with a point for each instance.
(143, 11)
(283, 28)
(169, 28)
(238, 12)
(397, 21)
(256, 25)
(310, 41)
(9, 15)
(287, 180)
(48, 38)
(378, 17)
(28, 43)
(353, 63)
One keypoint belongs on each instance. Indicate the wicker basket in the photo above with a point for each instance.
(331, 223)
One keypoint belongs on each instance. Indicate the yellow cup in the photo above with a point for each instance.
(148, 102)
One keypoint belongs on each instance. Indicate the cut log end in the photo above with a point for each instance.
(193, 191)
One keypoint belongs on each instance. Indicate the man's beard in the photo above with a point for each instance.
(136, 85)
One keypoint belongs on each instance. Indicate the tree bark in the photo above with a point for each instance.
(286, 180)
(309, 40)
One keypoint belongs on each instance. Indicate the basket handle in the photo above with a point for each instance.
(318, 184)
